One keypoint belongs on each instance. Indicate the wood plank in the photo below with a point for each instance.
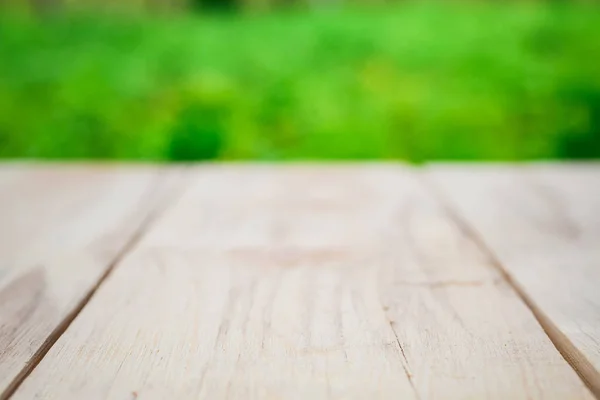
(304, 282)
(62, 227)
(542, 222)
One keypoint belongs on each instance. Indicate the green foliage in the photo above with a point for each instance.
(414, 82)
(197, 135)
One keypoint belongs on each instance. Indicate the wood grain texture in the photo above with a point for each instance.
(304, 282)
(542, 222)
(61, 228)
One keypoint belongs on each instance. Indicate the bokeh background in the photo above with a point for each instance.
(179, 80)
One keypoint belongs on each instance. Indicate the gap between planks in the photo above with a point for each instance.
(153, 216)
(572, 355)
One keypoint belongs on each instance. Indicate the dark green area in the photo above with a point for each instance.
(414, 82)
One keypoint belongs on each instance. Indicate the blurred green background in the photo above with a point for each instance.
(411, 81)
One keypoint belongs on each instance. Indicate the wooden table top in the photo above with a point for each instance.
(300, 281)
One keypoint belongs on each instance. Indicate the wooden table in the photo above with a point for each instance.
(300, 281)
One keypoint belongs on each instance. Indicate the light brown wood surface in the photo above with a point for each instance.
(60, 229)
(304, 282)
(542, 223)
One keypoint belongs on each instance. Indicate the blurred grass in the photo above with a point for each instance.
(414, 82)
